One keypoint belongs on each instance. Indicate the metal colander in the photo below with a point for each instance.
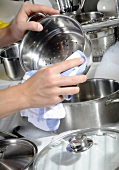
(60, 37)
(101, 40)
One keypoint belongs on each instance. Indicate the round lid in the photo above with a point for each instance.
(16, 154)
(94, 149)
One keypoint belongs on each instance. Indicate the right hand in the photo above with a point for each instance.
(46, 87)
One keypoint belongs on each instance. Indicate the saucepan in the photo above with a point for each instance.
(96, 105)
(10, 58)
(16, 153)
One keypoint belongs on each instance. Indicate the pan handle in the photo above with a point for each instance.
(110, 101)
(7, 135)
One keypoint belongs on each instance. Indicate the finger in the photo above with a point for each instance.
(32, 26)
(67, 64)
(32, 8)
(69, 90)
(71, 80)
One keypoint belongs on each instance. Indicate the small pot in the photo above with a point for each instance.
(10, 59)
(96, 105)
(16, 153)
(94, 149)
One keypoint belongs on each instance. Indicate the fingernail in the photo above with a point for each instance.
(40, 27)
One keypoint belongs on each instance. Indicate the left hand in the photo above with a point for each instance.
(20, 25)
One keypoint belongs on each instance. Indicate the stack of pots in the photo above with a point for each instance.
(102, 38)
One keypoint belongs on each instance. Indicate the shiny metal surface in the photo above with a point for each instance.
(101, 40)
(88, 16)
(60, 37)
(16, 154)
(88, 108)
(79, 143)
(88, 53)
(100, 25)
(10, 60)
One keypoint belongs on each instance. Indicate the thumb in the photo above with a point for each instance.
(33, 26)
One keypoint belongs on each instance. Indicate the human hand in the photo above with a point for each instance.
(47, 86)
(20, 25)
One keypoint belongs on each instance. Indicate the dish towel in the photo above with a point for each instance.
(48, 119)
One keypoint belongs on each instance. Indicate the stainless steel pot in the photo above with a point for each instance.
(16, 153)
(94, 149)
(10, 58)
(60, 37)
(95, 106)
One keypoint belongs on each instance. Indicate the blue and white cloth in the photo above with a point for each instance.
(48, 119)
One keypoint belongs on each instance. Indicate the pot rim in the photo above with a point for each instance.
(97, 99)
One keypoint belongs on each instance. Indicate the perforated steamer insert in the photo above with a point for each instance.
(60, 37)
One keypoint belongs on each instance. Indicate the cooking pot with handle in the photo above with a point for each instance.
(96, 105)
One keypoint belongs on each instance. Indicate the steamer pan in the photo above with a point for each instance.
(61, 36)
(96, 105)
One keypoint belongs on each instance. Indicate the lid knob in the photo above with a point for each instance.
(79, 143)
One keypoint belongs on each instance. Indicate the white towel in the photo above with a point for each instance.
(48, 118)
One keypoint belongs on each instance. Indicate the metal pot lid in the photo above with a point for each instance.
(16, 154)
(94, 149)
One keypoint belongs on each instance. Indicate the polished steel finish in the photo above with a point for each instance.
(88, 108)
(88, 16)
(64, 6)
(101, 40)
(16, 154)
(79, 143)
(60, 37)
(7, 134)
(100, 25)
(88, 53)
(10, 60)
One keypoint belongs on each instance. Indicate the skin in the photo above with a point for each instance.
(44, 88)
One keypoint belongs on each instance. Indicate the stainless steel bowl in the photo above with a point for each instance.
(60, 37)
(10, 59)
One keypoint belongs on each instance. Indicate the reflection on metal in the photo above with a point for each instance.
(79, 143)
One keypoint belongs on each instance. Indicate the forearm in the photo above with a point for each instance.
(12, 100)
